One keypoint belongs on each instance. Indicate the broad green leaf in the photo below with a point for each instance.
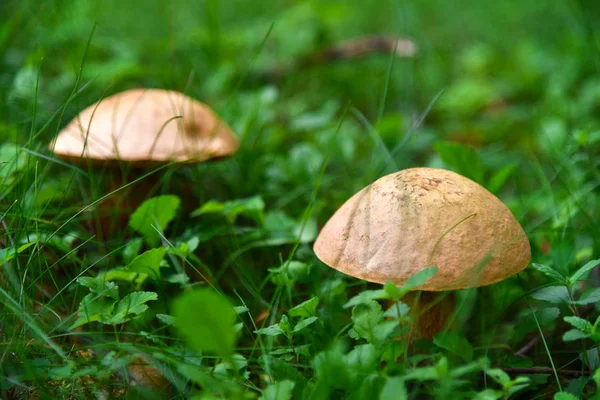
(588, 297)
(281, 390)
(583, 270)
(132, 304)
(155, 212)
(393, 389)
(552, 294)
(365, 317)
(305, 309)
(206, 319)
(365, 296)
(574, 334)
(398, 310)
(461, 158)
(132, 249)
(363, 359)
(93, 307)
(552, 273)
(304, 323)
(579, 323)
(498, 375)
(455, 344)
(148, 262)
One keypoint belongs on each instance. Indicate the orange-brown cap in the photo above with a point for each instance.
(422, 217)
(146, 126)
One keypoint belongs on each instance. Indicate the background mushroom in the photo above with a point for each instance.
(422, 217)
(139, 129)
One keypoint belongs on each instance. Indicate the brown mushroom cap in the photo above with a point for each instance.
(140, 126)
(422, 217)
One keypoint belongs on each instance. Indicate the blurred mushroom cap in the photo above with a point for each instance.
(146, 126)
(422, 217)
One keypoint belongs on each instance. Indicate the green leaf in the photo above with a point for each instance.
(10, 253)
(206, 319)
(100, 286)
(393, 389)
(455, 344)
(552, 294)
(365, 317)
(132, 249)
(272, 330)
(552, 273)
(489, 394)
(419, 278)
(365, 296)
(93, 307)
(579, 323)
(588, 297)
(281, 390)
(252, 207)
(463, 159)
(305, 309)
(158, 212)
(304, 323)
(166, 319)
(498, 180)
(574, 334)
(498, 375)
(148, 262)
(583, 270)
(132, 304)
(565, 396)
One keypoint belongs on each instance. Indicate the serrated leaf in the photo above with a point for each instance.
(304, 323)
(93, 307)
(148, 263)
(365, 296)
(272, 330)
(158, 211)
(588, 297)
(552, 294)
(365, 317)
(583, 270)
(206, 319)
(305, 309)
(454, 343)
(132, 304)
(579, 323)
(550, 272)
(100, 286)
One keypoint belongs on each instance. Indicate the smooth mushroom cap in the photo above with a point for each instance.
(422, 217)
(146, 126)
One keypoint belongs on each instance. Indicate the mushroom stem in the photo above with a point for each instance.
(431, 312)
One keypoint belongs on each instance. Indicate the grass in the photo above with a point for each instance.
(213, 290)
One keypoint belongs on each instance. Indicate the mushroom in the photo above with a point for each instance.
(142, 128)
(421, 217)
